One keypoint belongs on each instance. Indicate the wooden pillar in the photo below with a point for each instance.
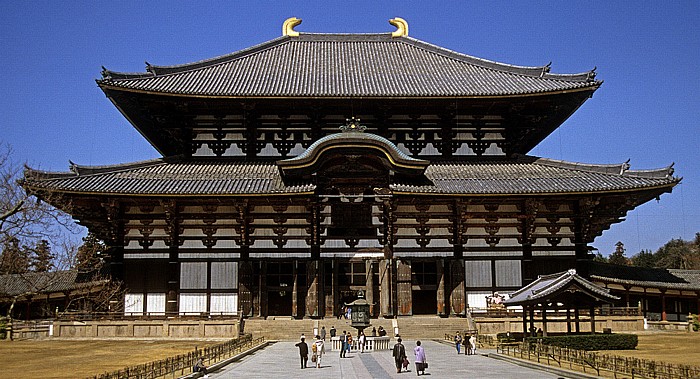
(314, 285)
(532, 320)
(262, 290)
(404, 292)
(663, 305)
(441, 311)
(544, 320)
(245, 288)
(172, 221)
(458, 303)
(568, 320)
(525, 310)
(627, 296)
(592, 310)
(578, 320)
(385, 286)
(369, 286)
(295, 290)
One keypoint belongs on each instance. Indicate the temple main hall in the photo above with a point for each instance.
(302, 170)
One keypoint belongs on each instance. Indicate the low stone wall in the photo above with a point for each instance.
(668, 325)
(494, 325)
(145, 329)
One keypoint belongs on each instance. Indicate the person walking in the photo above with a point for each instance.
(323, 333)
(472, 345)
(303, 352)
(320, 348)
(332, 331)
(374, 332)
(349, 344)
(361, 342)
(421, 362)
(343, 343)
(458, 342)
(399, 354)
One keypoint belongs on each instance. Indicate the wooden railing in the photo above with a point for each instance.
(586, 361)
(182, 364)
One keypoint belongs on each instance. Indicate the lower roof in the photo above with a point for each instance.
(524, 175)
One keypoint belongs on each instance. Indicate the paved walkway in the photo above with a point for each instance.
(281, 360)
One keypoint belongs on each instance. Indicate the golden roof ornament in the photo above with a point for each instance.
(401, 27)
(352, 126)
(288, 27)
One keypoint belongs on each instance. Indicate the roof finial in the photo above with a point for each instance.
(352, 126)
(401, 27)
(288, 27)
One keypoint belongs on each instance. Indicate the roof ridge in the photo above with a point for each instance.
(530, 71)
(617, 169)
(157, 70)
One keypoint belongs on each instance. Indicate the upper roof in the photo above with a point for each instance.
(345, 65)
(525, 175)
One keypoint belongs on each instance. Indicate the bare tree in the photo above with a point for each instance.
(28, 229)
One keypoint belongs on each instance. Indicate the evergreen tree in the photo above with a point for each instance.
(42, 260)
(644, 258)
(618, 257)
(676, 253)
(14, 259)
(90, 253)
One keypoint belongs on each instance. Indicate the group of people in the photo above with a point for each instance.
(469, 343)
(318, 349)
(346, 341)
(401, 360)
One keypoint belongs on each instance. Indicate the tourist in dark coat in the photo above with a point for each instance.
(303, 352)
(399, 354)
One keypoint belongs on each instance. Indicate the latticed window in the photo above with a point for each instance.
(424, 273)
(352, 274)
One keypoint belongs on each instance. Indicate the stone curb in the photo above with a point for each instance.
(219, 365)
(546, 368)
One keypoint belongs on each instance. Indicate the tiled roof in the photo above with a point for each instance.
(548, 285)
(343, 65)
(645, 277)
(526, 175)
(44, 282)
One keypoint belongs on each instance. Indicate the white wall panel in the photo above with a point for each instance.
(508, 273)
(155, 304)
(193, 275)
(193, 303)
(133, 304)
(477, 299)
(224, 275)
(224, 303)
(478, 273)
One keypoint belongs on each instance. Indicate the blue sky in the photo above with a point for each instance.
(647, 53)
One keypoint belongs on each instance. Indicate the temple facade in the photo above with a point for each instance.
(299, 171)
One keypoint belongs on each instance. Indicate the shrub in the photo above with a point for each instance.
(695, 322)
(590, 341)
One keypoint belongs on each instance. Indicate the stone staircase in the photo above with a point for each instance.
(431, 327)
(414, 327)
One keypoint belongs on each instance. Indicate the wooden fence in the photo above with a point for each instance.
(182, 364)
(619, 367)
